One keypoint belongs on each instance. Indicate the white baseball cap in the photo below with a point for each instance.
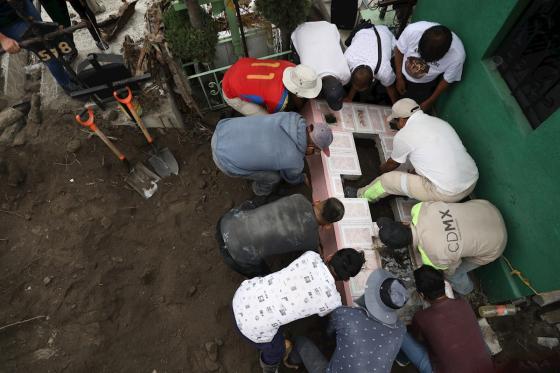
(302, 81)
(403, 108)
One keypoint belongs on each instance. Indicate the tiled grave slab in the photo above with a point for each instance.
(344, 164)
(343, 142)
(356, 210)
(322, 113)
(358, 283)
(377, 119)
(356, 235)
(337, 187)
(356, 229)
(362, 120)
(347, 114)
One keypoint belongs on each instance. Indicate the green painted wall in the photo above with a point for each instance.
(519, 167)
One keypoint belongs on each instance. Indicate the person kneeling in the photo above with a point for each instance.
(306, 287)
(445, 336)
(289, 224)
(368, 337)
(454, 237)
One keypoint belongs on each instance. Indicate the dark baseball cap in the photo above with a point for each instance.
(393, 234)
(333, 92)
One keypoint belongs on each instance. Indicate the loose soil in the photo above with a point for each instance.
(128, 285)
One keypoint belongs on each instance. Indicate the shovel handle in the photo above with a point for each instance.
(127, 100)
(90, 123)
(109, 144)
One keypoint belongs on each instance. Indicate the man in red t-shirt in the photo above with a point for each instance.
(257, 87)
(445, 336)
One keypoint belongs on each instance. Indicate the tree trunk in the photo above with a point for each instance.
(195, 13)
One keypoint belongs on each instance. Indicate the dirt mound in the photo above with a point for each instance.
(127, 284)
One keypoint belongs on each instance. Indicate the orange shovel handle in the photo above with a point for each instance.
(128, 102)
(90, 123)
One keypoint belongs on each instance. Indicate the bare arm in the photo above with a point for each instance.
(392, 92)
(350, 96)
(388, 166)
(429, 102)
(400, 84)
(8, 44)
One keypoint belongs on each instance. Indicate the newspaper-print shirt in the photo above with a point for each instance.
(262, 304)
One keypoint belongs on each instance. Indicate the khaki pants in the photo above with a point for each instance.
(410, 185)
(244, 107)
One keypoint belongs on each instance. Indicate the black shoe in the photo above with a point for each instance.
(402, 359)
(350, 192)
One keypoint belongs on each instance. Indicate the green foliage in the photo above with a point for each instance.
(286, 14)
(188, 43)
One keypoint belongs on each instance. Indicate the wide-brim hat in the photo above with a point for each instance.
(302, 81)
(395, 291)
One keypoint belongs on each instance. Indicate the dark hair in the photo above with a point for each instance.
(347, 263)
(333, 210)
(429, 282)
(434, 43)
(362, 76)
(394, 235)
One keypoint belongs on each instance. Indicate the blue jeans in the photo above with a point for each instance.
(271, 353)
(264, 182)
(17, 29)
(416, 353)
(306, 352)
(460, 281)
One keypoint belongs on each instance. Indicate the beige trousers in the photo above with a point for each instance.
(244, 107)
(410, 185)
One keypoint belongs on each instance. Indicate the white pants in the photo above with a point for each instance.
(244, 107)
(410, 185)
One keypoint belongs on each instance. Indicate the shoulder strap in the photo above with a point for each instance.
(364, 24)
(378, 51)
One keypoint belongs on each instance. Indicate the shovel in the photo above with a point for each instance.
(140, 178)
(161, 159)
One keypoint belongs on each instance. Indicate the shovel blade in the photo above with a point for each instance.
(164, 163)
(142, 180)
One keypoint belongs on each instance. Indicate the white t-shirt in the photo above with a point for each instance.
(436, 152)
(416, 70)
(363, 51)
(262, 304)
(318, 46)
